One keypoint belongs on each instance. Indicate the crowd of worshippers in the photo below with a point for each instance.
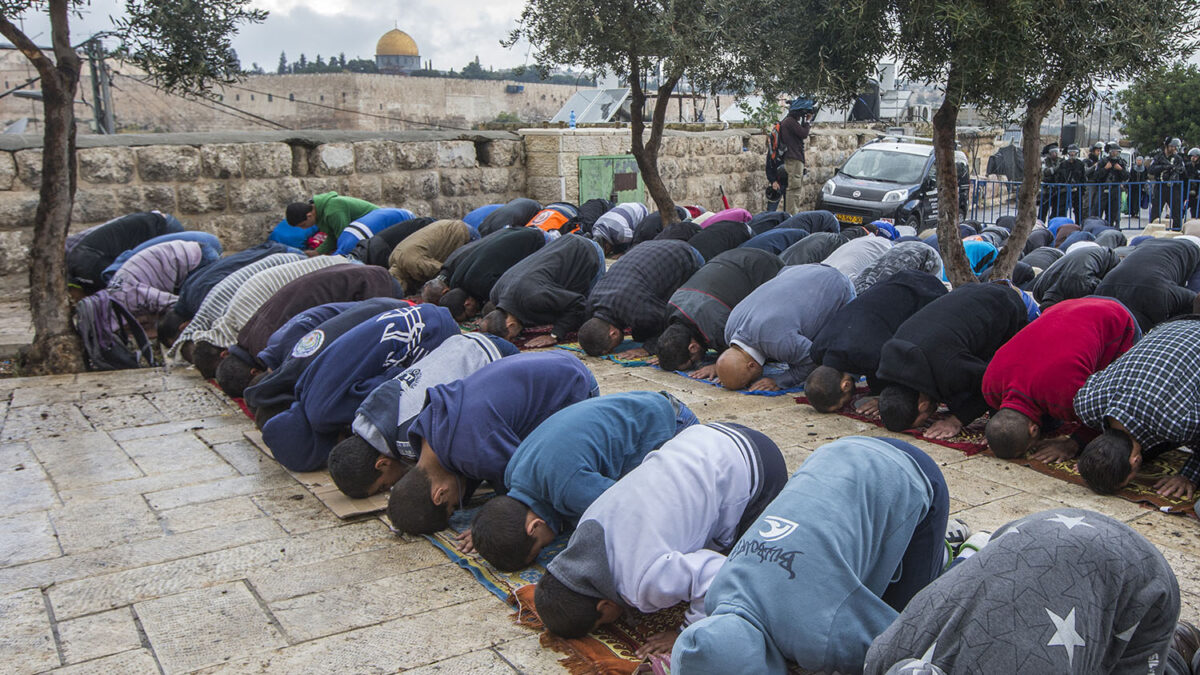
(342, 334)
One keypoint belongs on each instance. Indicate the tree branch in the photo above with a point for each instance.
(44, 65)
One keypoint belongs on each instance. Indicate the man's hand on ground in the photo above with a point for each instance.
(465, 543)
(659, 643)
(705, 373)
(765, 384)
(541, 341)
(636, 353)
(1176, 487)
(868, 406)
(1054, 450)
(943, 429)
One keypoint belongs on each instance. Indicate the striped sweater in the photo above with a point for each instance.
(216, 301)
(147, 282)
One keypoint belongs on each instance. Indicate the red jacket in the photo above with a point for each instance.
(1038, 372)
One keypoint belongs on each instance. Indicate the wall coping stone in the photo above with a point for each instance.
(14, 142)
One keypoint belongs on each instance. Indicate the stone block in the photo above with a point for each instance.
(416, 155)
(94, 206)
(251, 196)
(103, 634)
(203, 197)
(541, 142)
(132, 662)
(300, 160)
(117, 412)
(365, 186)
(168, 163)
(266, 160)
(394, 187)
(28, 537)
(207, 514)
(8, 170)
(242, 231)
(27, 645)
(502, 153)
(315, 186)
(158, 197)
(516, 184)
(222, 161)
(14, 254)
(456, 154)
(458, 183)
(106, 165)
(424, 185)
(545, 165)
(545, 190)
(85, 526)
(332, 159)
(374, 156)
(24, 485)
(29, 167)
(417, 206)
(493, 180)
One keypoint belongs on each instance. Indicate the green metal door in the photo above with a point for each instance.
(612, 177)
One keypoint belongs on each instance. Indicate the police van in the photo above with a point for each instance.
(892, 178)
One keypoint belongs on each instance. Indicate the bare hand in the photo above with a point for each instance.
(943, 429)
(1177, 487)
(868, 406)
(775, 185)
(706, 373)
(312, 253)
(636, 353)
(659, 643)
(765, 384)
(1055, 450)
(465, 543)
(541, 341)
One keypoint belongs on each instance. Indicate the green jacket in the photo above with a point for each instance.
(334, 213)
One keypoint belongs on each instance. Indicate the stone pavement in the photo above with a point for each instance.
(142, 533)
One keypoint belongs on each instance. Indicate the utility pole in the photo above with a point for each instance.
(101, 90)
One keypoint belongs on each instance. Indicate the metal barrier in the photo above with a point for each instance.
(1129, 206)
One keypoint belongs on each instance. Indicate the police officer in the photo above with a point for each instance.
(1071, 173)
(1110, 174)
(1137, 187)
(1168, 169)
(1192, 171)
(1050, 162)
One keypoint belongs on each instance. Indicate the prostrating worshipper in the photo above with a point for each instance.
(565, 465)
(659, 535)
(1075, 275)
(1151, 281)
(719, 236)
(776, 241)
(340, 283)
(1042, 257)
(633, 295)
(827, 566)
(1040, 237)
(470, 285)
(1145, 403)
(331, 213)
(148, 282)
(699, 309)
(99, 246)
(814, 222)
(368, 225)
(849, 344)
(419, 257)
(1060, 591)
(284, 339)
(940, 353)
(652, 225)
(906, 255)
(377, 453)
(857, 255)
(588, 213)
(767, 220)
(210, 248)
(470, 428)
(777, 322)
(332, 387)
(476, 216)
(813, 249)
(1033, 378)
(548, 287)
(376, 250)
(981, 255)
(683, 230)
(275, 391)
(513, 214)
(555, 220)
(614, 230)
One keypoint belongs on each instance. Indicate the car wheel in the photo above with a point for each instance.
(915, 221)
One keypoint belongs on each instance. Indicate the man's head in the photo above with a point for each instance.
(677, 349)
(206, 357)
(434, 290)
(1010, 434)
(568, 614)
(1110, 461)
(828, 389)
(460, 303)
(169, 326)
(419, 505)
(234, 375)
(508, 534)
(360, 470)
(902, 408)
(598, 337)
(1073, 151)
(301, 214)
(501, 324)
(736, 369)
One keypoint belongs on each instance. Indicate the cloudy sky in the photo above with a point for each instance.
(450, 32)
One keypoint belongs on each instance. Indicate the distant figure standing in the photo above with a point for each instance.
(793, 129)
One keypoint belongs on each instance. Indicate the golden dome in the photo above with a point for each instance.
(396, 42)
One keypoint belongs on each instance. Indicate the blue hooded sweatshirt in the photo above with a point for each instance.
(371, 224)
(281, 342)
(805, 582)
(333, 386)
(475, 218)
(292, 236)
(474, 425)
(580, 451)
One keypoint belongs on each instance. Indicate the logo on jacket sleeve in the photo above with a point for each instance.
(777, 528)
(309, 344)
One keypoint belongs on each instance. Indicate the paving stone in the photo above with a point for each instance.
(170, 454)
(992, 515)
(103, 634)
(184, 424)
(43, 421)
(26, 642)
(192, 402)
(136, 662)
(218, 489)
(209, 514)
(60, 393)
(24, 485)
(529, 657)
(296, 509)
(221, 435)
(83, 526)
(1176, 532)
(484, 662)
(1189, 609)
(205, 627)
(289, 582)
(145, 484)
(82, 459)
(974, 490)
(27, 537)
(243, 455)
(356, 605)
(11, 384)
(119, 412)
(99, 389)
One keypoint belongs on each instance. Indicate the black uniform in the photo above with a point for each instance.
(1169, 172)
(1137, 177)
(1110, 174)
(1151, 280)
(1191, 169)
(551, 286)
(1071, 173)
(1050, 192)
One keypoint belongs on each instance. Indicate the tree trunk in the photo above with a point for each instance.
(646, 152)
(1031, 142)
(945, 126)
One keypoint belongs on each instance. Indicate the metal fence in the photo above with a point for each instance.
(1129, 206)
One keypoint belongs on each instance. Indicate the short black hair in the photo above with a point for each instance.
(433, 290)
(263, 414)
(674, 347)
(564, 612)
(455, 300)
(1007, 433)
(352, 466)
(234, 375)
(1104, 463)
(593, 336)
(824, 389)
(898, 407)
(410, 507)
(206, 357)
(297, 211)
(498, 533)
(170, 324)
(494, 323)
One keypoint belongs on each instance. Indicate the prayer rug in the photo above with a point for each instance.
(771, 370)
(525, 336)
(970, 440)
(616, 356)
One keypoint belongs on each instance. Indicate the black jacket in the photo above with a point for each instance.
(375, 250)
(682, 230)
(100, 247)
(1037, 239)
(791, 136)
(1042, 257)
(767, 220)
(1070, 171)
(1073, 276)
(813, 249)
(1118, 173)
(854, 336)
(943, 349)
(587, 215)
(652, 225)
(1150, 280)
(634, 291)
(814, 222)
(1167, 168)
(516, 213)
(716, 238)
(551, 286)
(486, 262)
(704, 301)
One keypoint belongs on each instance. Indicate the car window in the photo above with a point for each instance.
(892, 167)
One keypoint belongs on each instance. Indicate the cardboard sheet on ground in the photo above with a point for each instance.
(321, 486)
